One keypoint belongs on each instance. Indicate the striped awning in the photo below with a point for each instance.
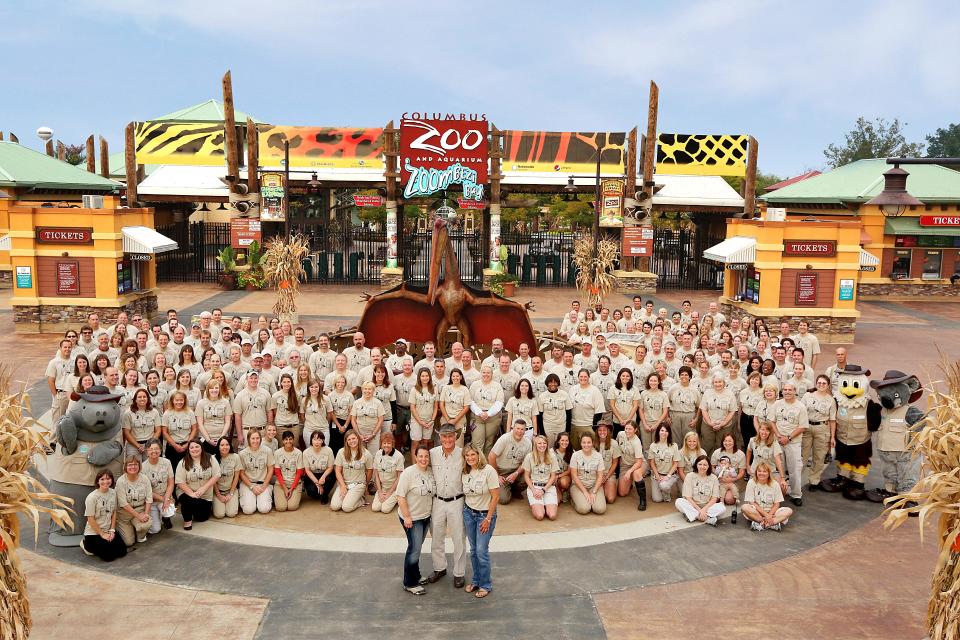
(146, 240)
(867, 259)
(735, 250)
(5, 244)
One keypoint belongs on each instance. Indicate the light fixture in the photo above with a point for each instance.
(894, 199)
(569, 191)
(313, 187)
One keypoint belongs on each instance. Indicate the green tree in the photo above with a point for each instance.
(764, 180)
(944, 143)
(872, 139)
(76, 154)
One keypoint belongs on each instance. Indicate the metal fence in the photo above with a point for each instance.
(343, 255)
(678, 259)
(195, 259)
(415, 254)
(541, 258)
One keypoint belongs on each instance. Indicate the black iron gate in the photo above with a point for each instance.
(415, 252)
(195, 258)
(678, 258)
(343, 254)
(541, 258)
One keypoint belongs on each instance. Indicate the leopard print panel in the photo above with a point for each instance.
(702, 154)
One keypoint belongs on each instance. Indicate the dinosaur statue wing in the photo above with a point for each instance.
(399, 313)
(491, 316)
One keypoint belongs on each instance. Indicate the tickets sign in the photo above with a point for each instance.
(940, 221)
(810, 248)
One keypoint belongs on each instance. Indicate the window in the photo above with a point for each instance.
(931, 264)
(901, 263)
(129, 276)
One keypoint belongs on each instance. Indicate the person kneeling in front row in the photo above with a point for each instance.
(762, 500)
(701, 494)
(354, 468)
(586, 473)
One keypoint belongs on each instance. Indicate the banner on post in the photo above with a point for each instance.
(611, 202)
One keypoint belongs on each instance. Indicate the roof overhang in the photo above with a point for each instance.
(867, 259)
(734, 250)
(5, 244)
(146, 240)
(910, 226)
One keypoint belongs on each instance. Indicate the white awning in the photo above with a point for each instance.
(735, 250)
(5, 244)
(146, 240)
(867, 259)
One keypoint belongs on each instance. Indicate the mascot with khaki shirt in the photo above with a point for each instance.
(853, 446)
(895, 420)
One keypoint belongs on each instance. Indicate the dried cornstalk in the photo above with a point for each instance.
(21, 438)
(938, 492)
(283, 268)
(594, 275)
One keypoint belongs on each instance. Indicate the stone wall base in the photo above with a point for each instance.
(637, 281)
(827, 329)
(870, 291)
(59, 318)
(390, 277)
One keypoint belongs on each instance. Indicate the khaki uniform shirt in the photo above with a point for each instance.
(258, 465)
(523, 367)
(610, 454)
(738, 459)
(588, 467)
(418, 487)
(354, 471)
(288, 462)
(315, 413)
(540, 472)
(454, 400)
(318, 462)
(329, 383)
(894, 432)
(194, 476)
(820, 408)
(760, 452)
(852, 425)
(142, 424)
(765, 495)
(630, 450)
(357, 358)
(717, 405)
(663, 455)
(652, 404)
(447, 471)
(554, 407)
(487, 396)
(684, 399)
(229, 467)
(810, 345)
(687, 458)
(591, 363)
(789, 417)
(622, 401)
(477, 486)
(158, 475)
(750, 399)
(366, 414)
(134, 493)
(101, 506)
(252, 407)
(341, 404)
(179, 424)
(214, 414)
(387, 467)
(538, 382)
(510, 453)
(700, 489)
(508, 382)
(321, 363)
(386, 395)
(586, 402)
(525, 409)
(60, 369)
(402, 385)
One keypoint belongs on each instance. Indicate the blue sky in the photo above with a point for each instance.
(794, 75)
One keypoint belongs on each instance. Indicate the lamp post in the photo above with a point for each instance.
(569, 193)
(894, 199)
(286, 188)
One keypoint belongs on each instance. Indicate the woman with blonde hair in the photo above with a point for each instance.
(178, 427)
(302, 383)
(255, 475)
(764, 447)
(481, 489)
(214, 417)
(586, 474)
(387, 466)
(134, 502)
(366, 418)
(762, 500)
(690, 450)
(540, 472)
(354, 468)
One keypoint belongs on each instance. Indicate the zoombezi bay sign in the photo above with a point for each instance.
(438, 150)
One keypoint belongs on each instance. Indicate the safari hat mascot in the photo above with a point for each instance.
(894, 420)
(853, 447)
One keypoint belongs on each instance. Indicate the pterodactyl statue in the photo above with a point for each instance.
(426, 313)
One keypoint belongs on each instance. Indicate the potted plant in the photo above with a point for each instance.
(228, 258)
(504, 284)
(250, 280)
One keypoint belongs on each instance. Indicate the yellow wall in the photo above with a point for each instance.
(770, 262)
(107, 249)
(873, 225)
(4, 230)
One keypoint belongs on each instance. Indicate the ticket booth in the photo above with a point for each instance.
(70, 261)
(792, 270)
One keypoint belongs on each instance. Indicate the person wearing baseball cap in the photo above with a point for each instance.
(252, 406)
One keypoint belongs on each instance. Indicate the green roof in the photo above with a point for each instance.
(862, 180)
(209, 111)
(24, 168)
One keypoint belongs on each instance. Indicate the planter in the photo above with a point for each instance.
(252, 287)
(509, 289)
(228, 281)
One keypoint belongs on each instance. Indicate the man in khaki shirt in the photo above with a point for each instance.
(506, 456)
(59, 369)
(446, 461)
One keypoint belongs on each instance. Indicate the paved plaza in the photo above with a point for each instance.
(834, 572)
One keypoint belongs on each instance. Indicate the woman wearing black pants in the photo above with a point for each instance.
(100, 537)
(195, 477)
(318, 469)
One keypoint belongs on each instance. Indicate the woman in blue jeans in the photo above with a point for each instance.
(415, 490)
(481, 490)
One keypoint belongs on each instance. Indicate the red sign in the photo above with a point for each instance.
(810, 248)
(638, 241)
(940, 221)
(463, 203)
(243, 231)
(434, 143)
(807, 289)
(65, 235)
(68, 278)
(367, 201)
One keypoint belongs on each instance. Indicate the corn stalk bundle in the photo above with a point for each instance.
(595, 275)
(283, 268)
(20, 493)
(938, 492)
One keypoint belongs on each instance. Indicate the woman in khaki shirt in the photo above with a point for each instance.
(134, 501)
(354, 468)
(288, 414)
(820, 437)
(288, 470)
(481, 490)
(226, 496)
(195, 477)
(179, 426)
(633, 466)
(762, 500)
(764, 447)
(654, 408)
(366, 418)
(257, 459)
(586, 473)
(415, 490)
(563, 450)
(387, 465)
(141, 424)
(540, 470)
(701, 494)
(664, 463)
(318, 467)
(424, 407)
(341, 402)
(455, 403)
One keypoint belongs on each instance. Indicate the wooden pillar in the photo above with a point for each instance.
(14, 138)
(49, 148)
(230, 132)
(496, 177)
(61, 151)
(1, 135)
(631, 186)
(253, 158)
(649, 159)
(750, 181)
(390, 174)
(91, 156)
(130, 160)
(104, 158)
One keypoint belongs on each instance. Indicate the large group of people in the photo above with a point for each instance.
(231, 415)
